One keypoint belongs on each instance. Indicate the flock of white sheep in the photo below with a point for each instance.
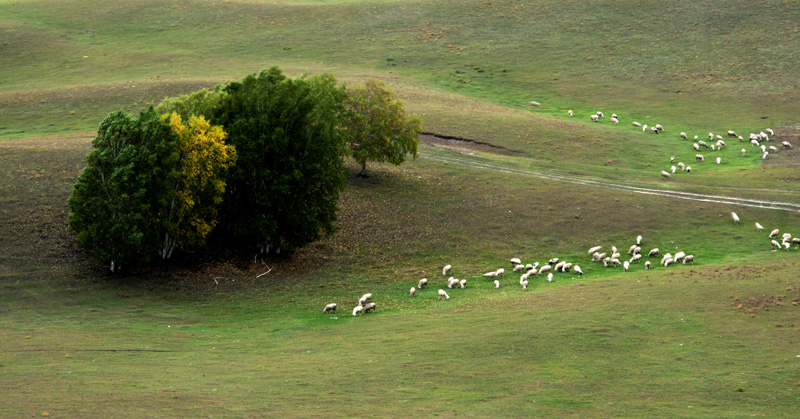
(787, 241)
(716, 141)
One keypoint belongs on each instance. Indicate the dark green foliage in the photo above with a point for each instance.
(285, 187)
(119, 202)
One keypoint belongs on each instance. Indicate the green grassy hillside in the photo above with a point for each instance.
(202, 336)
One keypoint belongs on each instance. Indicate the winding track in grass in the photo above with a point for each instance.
(719, 199)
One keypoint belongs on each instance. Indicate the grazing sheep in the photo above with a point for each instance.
(567, 266)
(754, 142)
(647, 265)
(600, 114)
(636, 257)
(569, 112)
(412, 292)
(528, 267)
(681, 166)
(500, 272)
(763, 148)
(673, 169)
(787, 145)
(446, 270)
(636, 124)
(330, 307)
(719, 160)
(695, 137)
(614, 120)
(616, 262)
(659, 128)
(770, 131)
(710, 135)
(637, 250)
(577, 269)
(764, 136)
(626, 265)
(719, 137)
(515, 261)
(765, 155)
(666, 257)
(654, 130)
(553, 261)
(744, 152)
(534, 103)
(684, 136)
(422, 283)
(370, 307)
(699, 157)
(442, 293)
(713, 147)
(772, 149)
(550, 277)
(518, 268)
(452, 282)
(665, 175)
(740, 138)
(595, 249)
(364, 298)
(639, 240)
(688, 169)
(594, 118)
(357, 309)
(735, 218)
(672, 159)
(545, 268)
(731, 133)
(702, 144)
(688, 259)
(679, 257)
(720, 144)
(462, 283)
(759, 227)
(796, 240)
(523, 278)
(644, 128)
(497, 283)
(776, 245)
(560, 265)
(668, 262)
(696, 147)
(653, 253)
(613, 249)
(613, 115)
(524, 285)
(596, 257)
(631, 249)
(492, 274)
(606, 261)
(615, 255)
(774, 233)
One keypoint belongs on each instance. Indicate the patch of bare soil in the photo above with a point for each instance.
(463, 145)
(789, 158)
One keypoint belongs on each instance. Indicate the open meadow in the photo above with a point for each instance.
(207, 335)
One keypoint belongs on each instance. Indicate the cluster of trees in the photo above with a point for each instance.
(258, 162)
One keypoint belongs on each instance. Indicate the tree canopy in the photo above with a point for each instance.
(284, 190)
(377, 126)
(118, 204)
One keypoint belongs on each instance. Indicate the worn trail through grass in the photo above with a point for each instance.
(692, 196)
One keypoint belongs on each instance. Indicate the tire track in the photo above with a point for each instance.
(691, 196)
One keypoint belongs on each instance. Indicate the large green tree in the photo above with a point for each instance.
(377, 126)
(284, 189)
(120, 200)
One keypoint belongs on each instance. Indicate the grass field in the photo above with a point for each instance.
(201, 336)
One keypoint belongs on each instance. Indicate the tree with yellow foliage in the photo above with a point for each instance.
(203, 159)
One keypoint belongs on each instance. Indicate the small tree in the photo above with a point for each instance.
(118, 204)
(203, 161)
(377, 126)
(283, 191)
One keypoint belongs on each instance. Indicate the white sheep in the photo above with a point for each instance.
(626, 265)
(637, 250)
(699, 157)
(525, 285)
(702, 144)
(442, 293)
(668, 262)
(653, 253)
(772, 149)
(559, 266)
(524, 277)
(639, 240)
(765, 155)
(569, 112)
(357, 309)
(496, 283)
(545, 268)
(770, 131)
(647, 265)
(446, 270)
(696, 137)
(370, 307)
(364, 298)
(688, 259)
(673, 169)
(719, 137)
(596, 257)
(515, 261)
(719, 160)
(631, 249)
(720, 144)
(659, 127)
(666, 257)
(744, 152)
(422, 283)
(550, 277)
(595, 249)
(616, 262)
(731, 133)
(696, 147)
(710, 135)
(684, 136)
(613, 115)
(636, 124)
(606, 261)
(754, 142)
(787, 145)
(412, 292)
(462, 283)
(528, 267)
(614, 120)
(763, 148)
(774, 233)
(672, 159)
(679, 257)
(764, 136)
(681, 166)
(452, 282)
(567, 266)
(492, 274)
(534, 103)
(613, 249)
(577, 269)
(330, 307)
(594, 118)
(735, 218)
(776, 245)
(518, 268)
(500, 272)
(688, 169)
(615, 255)
(600, 114)
(644, 128)
(636, 257)
(759, 227)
